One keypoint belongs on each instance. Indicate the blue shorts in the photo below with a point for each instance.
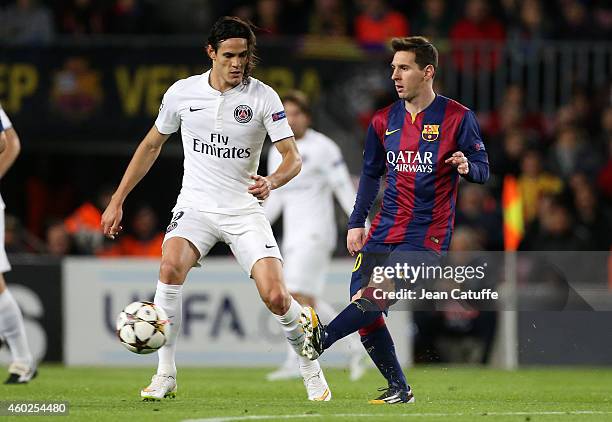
(387, 255)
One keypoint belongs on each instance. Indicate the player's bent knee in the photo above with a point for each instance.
(278, 301)
(171, 272)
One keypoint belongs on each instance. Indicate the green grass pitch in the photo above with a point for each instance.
(235, 394)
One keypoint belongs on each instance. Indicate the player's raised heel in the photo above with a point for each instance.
(161, 387)
(313, 331)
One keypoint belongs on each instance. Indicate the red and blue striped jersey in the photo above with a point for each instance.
(420, 193)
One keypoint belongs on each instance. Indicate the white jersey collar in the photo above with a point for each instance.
(209, 88)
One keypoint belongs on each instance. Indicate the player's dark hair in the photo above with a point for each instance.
(425, 52)
(228, 27)
(299, 99)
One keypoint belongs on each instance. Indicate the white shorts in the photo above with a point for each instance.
(4, 263)
(249, 236)
(306, 268)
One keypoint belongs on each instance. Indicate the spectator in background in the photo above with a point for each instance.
(575, 21)
(377, 23)
(510, 115)
(604, 134)
(604, 178)
(433, 21)
(602, 16)
(58, 241)
(506, 158)
(14, 241)
(126, 17)
(530, 25)
(267, 13)
(577, 112)
(592, 220)
(534, 183)
(555, 231)
(570, 154)
(328, 18)
(26, 22)
(508, 11)
(477, 210)
(84, 223)
(82, 17)
(144, 240)
(477, 25)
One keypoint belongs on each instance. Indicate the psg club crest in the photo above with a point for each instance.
(430, 132)
(243, 113)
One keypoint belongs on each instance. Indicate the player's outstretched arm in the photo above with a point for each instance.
(144, 157)
(10, 151)
(289, 167)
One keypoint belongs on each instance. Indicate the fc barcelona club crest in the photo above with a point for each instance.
(243, 114)
(430, 132)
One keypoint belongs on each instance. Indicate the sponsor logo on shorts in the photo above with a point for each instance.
(270, 246)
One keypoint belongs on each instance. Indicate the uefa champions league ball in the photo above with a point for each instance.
(142, 327)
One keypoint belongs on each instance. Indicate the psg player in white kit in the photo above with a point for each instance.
(224, 115)
(309, 223)
(12, 329)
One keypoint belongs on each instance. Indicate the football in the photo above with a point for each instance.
(142, 327)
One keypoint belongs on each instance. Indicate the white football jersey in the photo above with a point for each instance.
(222, 135)
(307, 201)
(6, 124)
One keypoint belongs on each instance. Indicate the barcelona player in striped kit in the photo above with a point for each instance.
(425, 143)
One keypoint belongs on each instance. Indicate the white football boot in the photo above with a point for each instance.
(161, 387)
(20, 373)
(317, 387)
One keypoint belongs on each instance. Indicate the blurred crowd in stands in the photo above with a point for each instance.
(563, 165)
(562, 161)
(368, 21)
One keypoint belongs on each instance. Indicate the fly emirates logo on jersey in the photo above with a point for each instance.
(217, 146)
(410, 161)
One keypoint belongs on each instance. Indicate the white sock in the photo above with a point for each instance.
(295, 337)
(13, 330)
(169, 297)
(328, 313)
